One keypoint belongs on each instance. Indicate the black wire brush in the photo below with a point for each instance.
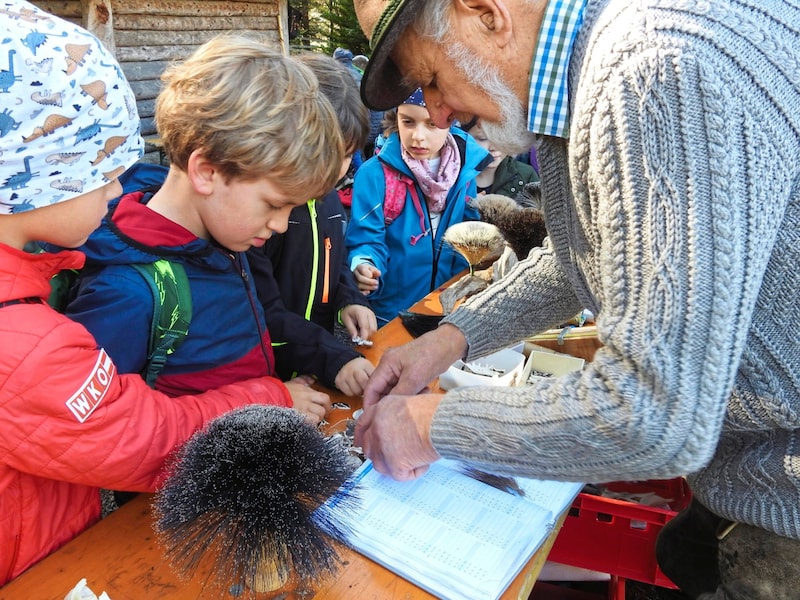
(242, 494)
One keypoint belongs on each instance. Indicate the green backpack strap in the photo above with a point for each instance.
(60, 288)
(172, 312)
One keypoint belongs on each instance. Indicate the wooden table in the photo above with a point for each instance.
(121, 555)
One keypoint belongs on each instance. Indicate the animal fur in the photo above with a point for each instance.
(522, 226)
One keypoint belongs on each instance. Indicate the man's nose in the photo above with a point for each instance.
(440, 112)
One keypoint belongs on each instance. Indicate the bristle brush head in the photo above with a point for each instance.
(242, 493)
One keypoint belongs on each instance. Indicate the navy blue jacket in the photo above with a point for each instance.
(304, 273)
(228, 337)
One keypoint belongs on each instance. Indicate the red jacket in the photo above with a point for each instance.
(71, 424)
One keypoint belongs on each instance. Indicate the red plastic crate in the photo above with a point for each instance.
(618, 536)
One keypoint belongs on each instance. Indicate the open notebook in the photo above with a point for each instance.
(448, 532)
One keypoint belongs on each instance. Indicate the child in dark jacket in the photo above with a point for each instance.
(505, 175)
(302, 276)
(70, 423)
(404, 199)
(239, 123)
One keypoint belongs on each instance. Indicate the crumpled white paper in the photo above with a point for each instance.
(83, 592)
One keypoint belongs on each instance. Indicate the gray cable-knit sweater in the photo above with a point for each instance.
(674, 215)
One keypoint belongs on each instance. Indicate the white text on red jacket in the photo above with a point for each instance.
(94, 389)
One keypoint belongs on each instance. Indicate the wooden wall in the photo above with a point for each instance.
(148, 34)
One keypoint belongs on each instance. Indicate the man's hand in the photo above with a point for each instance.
(367, 277)
(359, 320)
(353, 376)
(312, 404)
(396, 435)
(411, 367)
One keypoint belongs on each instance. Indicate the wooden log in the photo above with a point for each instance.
(146, 108)
(283, 25)
(147, 89)
(142, 71)
(166, 52)
(268, 20)
(153, 53)
(66, 9)
(144, 37)
(193, 8)
(148, 126)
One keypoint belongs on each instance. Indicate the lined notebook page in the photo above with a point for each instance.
(447, 532)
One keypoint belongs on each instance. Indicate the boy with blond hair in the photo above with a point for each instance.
(238, 121)
(69, 422)
(302, 276)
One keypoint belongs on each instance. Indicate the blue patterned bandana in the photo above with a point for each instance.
(416, 98)
(68, 120)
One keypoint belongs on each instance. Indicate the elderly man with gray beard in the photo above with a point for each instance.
(667, 134)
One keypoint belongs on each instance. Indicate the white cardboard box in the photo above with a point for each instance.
(549, 363)
(506, 363)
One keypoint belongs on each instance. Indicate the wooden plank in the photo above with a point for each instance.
(146, 89)
(148, 126)
(577, 341)
(144, 37)
(154, 52)
(140, 71)
(213, 23)
(146, 108)
(66, 9)
(192, 7)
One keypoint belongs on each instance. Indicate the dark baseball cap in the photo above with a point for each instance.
(383, 86)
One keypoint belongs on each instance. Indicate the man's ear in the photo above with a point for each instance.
(200, 173)
(494, 17)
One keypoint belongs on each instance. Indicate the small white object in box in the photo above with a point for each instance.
(506, 367)
(547, 364)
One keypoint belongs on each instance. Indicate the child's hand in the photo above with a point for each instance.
(312, 404)
(366, 278)
(359, 320)
(352, 377)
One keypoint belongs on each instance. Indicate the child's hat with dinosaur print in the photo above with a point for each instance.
(68, 120)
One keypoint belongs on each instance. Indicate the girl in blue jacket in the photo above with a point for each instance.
(404, 199)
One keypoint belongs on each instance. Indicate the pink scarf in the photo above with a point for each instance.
(436, 186)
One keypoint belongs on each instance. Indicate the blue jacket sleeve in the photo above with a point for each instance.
(366, 231)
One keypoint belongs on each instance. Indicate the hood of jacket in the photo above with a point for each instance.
(123, 236)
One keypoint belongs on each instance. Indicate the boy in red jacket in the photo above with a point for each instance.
(70, 422)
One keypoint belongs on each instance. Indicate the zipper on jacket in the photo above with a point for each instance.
(312, 289)
(238, 262)
(326, 278)
(434, 254)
